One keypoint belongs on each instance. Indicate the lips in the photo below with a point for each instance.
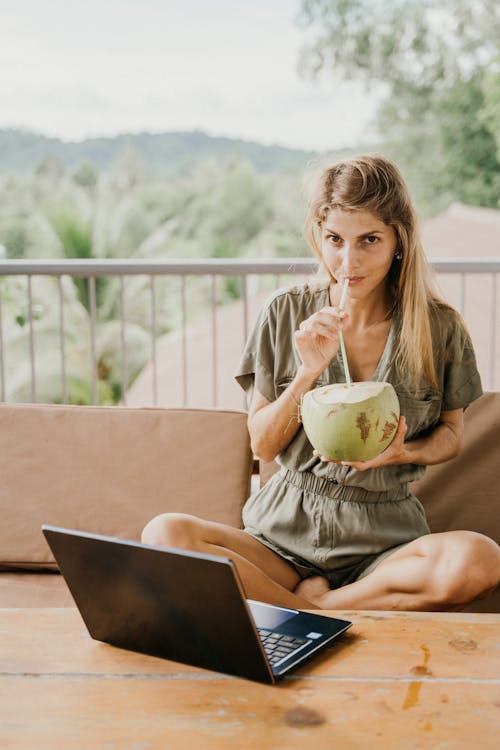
(353, 279)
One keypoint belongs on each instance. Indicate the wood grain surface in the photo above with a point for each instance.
(395, 680)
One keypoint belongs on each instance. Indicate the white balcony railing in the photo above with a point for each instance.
(469, 284)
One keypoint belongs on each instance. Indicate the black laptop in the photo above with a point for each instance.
(183, 606)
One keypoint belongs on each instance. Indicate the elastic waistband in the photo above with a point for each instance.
(305, 480)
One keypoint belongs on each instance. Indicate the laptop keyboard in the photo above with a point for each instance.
(279, 647)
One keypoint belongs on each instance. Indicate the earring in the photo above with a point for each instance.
(398, 255)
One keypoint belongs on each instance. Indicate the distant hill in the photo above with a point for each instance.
(162, 155)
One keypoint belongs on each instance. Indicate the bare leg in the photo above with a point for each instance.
(435, 572)
(265, 575)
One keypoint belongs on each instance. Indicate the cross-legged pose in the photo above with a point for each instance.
(351, 535)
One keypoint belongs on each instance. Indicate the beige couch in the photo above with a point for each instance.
(109, 470)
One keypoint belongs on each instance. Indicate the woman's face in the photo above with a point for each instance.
(358, 246)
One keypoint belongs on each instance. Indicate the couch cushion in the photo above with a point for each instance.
(110, 469)
(464, 493)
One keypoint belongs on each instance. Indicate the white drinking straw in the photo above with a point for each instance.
(341, 336)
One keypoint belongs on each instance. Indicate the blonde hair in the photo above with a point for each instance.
(375, 184)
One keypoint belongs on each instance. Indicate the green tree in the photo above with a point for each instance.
(431, 64)
(85, 174)
(491, 110)
(222, 208)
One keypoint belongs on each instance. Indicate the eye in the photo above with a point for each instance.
(371, 239)
(333, 238)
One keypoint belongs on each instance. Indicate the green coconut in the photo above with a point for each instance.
(352, 422)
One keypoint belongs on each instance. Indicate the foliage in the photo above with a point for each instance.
(163, 155)
(85, 174)
(419, 43)
(470, 150)
(432, 63)
(224, 208)
(490, 112)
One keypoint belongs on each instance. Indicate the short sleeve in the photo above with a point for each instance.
(257, 364)
(462, 382)
(270, 361)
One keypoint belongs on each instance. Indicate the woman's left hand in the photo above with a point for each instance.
(395, 453)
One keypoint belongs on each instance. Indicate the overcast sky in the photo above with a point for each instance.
(78, 68)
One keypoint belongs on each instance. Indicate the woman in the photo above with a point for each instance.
(351, 535)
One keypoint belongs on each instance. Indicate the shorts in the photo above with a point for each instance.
(323, 528)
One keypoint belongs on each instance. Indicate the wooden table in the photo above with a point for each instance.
(395, 680)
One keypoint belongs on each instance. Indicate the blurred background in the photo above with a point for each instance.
(164, 132)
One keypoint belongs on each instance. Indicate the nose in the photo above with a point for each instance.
(349, 257)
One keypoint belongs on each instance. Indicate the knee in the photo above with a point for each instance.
(468, 568)
(177, 530)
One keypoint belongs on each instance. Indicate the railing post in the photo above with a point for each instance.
(462, 294)
(493, 322)
(184, 340)
(93, 355)
(153, 340)
(214, 340)
(31, 340)
(62, 342)
(2, 366)
(123, 343)
(244, 294)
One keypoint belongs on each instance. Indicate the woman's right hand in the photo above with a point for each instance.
(317, 340)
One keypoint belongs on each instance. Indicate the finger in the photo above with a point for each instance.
(330, 316)
(321, 324)
(317, 454)
(402, 428)
(318, 331)
(359, 465)
(335, 311)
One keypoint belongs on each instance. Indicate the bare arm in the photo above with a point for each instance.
(442, 444)
(272, 425)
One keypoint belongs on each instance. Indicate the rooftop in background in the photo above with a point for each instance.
(462, 231)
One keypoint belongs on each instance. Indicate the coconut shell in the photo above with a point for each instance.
(351, 422)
